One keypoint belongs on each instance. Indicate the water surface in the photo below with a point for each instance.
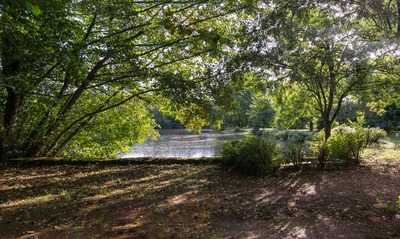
(179, 143)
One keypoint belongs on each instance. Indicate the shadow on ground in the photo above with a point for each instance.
(196, 201)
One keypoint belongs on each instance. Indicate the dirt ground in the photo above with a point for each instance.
(199, 201)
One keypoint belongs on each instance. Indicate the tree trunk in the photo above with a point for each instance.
(13, 100)
(327, 127)
(327, 130)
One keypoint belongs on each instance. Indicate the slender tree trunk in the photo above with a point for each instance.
(327, 128)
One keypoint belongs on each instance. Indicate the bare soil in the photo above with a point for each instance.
(199, 201)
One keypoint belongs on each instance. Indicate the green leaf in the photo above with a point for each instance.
(35, 9)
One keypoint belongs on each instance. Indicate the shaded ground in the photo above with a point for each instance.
(199, 201)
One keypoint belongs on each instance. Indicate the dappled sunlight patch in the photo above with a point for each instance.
(169, 201)
(381, 155)
(122, 182)
(264, 196)
(36, 176)
(146, 179)
(163, 184)
(292, 182)
(167, 182)
(308, 189)
(81, 175)
(390, 154)
(112, 193)
(251, 235)
(132, 190)
(181, 198)
(5, 187)
(323, 218)
(130, 226)
(29, 201)
(298, 232)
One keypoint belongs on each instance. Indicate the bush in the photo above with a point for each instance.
(292, 152)
(251, 156)
(293, 146)
(373, 135)
(346, 144)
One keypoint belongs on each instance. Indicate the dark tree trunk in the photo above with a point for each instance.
(327, 128)
(13, 103)
(13, 99)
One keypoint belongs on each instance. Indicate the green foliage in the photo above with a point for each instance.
(346, 144)
(261, 113)
(186, 58)
(347, 141)
(373, 135)
(391, 118)
(292, 106)
(251, 156)
(95, 56)
(291, 135)
(245, 109)
(293, 146)
(112, 132)
(318, 143)
(235, 113)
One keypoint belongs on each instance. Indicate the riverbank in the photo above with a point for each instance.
(103, 200)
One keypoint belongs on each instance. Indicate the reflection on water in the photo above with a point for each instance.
(179, 143)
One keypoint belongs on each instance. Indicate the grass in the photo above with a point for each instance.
(394, 139)
(191, 200)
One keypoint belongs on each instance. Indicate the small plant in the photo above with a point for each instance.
(373, 135)
(251, 156)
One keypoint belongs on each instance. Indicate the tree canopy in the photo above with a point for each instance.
(82, 77)
(65, 63)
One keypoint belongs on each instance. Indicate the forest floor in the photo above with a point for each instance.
(199, 201)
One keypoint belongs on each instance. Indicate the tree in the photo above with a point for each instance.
(65, 63)
(312, 45)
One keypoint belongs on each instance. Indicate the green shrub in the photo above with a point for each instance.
(288, 135)
(251, 156)
(292, 152)
(317, 142)
(293, 146)
(346, 144)
(373, 135)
